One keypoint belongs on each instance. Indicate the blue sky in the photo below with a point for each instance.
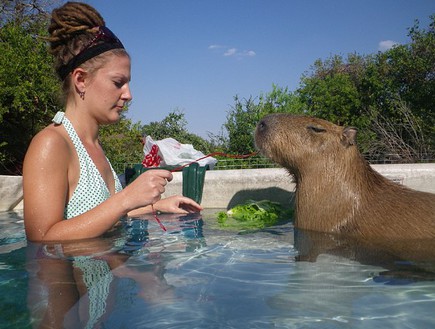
(196, 55)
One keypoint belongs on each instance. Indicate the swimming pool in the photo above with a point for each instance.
(197, 275)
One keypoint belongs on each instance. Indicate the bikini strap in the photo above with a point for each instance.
(60, 118)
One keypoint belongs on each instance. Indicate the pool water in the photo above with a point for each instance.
(197, 275)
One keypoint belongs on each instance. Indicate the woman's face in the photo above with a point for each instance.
(108, 89)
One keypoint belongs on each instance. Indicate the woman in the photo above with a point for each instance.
(66, 174)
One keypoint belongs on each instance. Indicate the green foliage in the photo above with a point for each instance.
(244, 116)
(253, 215)
(336, 91)
(332, 91)
(370, 91)
(174, 126)
(394, 89)
(122, 141)
(240, 125)
(281, 100)
(411, 70)
(28, 90)
(388, 96)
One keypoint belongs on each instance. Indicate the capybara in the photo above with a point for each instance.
(336, 189)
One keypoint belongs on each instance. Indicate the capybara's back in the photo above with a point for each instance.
(336, 189)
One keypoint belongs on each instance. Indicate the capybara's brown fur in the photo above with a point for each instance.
(337, 191)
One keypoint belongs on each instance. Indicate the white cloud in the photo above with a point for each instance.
(215, 47)
(385, 45)
(232, 52)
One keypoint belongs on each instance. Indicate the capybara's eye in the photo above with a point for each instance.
(316, 129)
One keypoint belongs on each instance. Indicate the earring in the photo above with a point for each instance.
(82, 95)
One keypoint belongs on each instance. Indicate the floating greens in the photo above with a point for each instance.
(253, 215)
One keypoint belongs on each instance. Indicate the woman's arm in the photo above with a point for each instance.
(46, 186)
(174, 204)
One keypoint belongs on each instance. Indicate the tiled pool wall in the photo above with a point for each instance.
(225, 188)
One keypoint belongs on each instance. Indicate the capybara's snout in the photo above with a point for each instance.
(260, 131)
(262, 126)
(263, 129)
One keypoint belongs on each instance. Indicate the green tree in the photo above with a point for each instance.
(174, 125)
(410, 70)
(122, 142)
(333, 89)
(339, 90)
(244, 116)
(29, 90)
(281, 100)
(240, 124)
(393, 88)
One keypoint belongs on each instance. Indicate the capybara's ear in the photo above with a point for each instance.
(349, 136)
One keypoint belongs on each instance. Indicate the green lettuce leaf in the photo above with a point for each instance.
(253, 215)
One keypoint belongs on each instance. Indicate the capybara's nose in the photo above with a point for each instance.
(261, 126)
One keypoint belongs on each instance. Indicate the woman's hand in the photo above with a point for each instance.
(146, 189)
(178, 205)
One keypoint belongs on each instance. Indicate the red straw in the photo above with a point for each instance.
(157, 219)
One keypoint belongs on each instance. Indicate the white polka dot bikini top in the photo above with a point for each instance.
(91, 188)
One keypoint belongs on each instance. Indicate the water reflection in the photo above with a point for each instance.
(78, 284)
(404, 261)
(207, 277)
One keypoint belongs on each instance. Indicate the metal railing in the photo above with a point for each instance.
(222, 164)
(258, 162)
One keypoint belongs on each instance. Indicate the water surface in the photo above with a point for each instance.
(197, 275)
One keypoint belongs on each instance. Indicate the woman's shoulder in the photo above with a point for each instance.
(52, 141)
(52, 136)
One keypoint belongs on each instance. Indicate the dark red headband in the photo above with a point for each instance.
(92, 49)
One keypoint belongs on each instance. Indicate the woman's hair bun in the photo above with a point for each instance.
(70, 27)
